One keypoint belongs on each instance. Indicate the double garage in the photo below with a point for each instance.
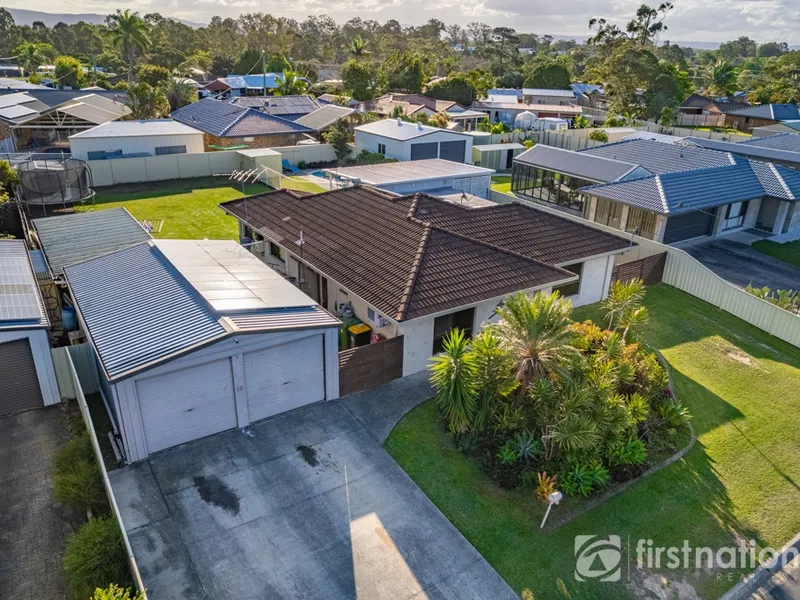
(454, 150)
(229, 384)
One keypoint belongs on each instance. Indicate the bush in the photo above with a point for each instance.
(598, 135)
(371, 158)
(77, 481)
(114, 592)
(95, 557)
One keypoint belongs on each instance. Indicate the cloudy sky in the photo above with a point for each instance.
(691, 20)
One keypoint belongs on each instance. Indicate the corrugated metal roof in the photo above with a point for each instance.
(70, 239)
(400, 130)
(21, 304)
(143, 306)
(115, 129)
(586, 166)
(749, 150)
(534, 108)
(51, 97)
(548, 92)
(223, 119)
(660, 158)
(416, 170)
(493, 147)
(324, 116)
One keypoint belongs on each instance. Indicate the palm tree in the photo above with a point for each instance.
(179, 94)
(536, 332)
(623, 305)
(720, 78)
(128, 32)
(146, 102)
(358, 47)
(292, 84)
(453, 375)
(29, 57)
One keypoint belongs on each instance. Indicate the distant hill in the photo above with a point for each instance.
(27, 17)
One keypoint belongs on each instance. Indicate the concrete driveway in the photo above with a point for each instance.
(304, 505)
(739, 264)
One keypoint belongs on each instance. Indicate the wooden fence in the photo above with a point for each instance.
(683, 271)
(369, 366)
(649, 269)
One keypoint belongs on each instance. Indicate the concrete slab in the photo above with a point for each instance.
(138, 497)
(305, 505)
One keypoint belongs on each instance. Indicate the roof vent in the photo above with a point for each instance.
(399, 122)
(419, 125)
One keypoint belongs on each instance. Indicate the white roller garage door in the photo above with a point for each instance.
(284, 377)
(188, 404)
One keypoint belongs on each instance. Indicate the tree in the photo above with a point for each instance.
(453, 376)
(648, 23)
(598, 135)
(9, 36)
(456, 88)
(440, 120)
(548, 76)
(292, 84)
(128, 32)
(737, 50)
(403, 71)
(147, 102)
(29, 56)
(179, 94)
(358, 47)
(338, 136)
(69, 72)
(359, 80)
(720, 78)
(623, 305)
(154, 75)
(771, 49)
(669, 116)
(581, 122)
(536, 332)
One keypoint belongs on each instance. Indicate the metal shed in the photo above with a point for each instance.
(499, 157)
(27, 376)
(118, 139)
(196, 337)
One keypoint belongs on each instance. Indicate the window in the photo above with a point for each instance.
(641, 222)
(463, 320)
(735, 215)
(163, 150)
(97, 155)
(571, 289)
(275, 250)
(382, 149)
(372, 316)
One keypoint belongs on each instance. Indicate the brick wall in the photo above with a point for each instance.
(260, 141)
(5, 133)
(746, 123)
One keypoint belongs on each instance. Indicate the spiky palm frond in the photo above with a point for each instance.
(453, 376)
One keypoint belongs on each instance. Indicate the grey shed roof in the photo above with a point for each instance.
(70, 239)
(415, 170)
(325, 116)
(21, 305)
(586, 166)
(775, 112)
(401, 130)
(685, 191)
(660, 158)
(779, 141)
(495, 147)
(748, 150)
(145, 305)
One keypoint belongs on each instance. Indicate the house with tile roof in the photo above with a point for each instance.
(226, 125)
(781, 148)
(417, 265)
(761, 115)
(411, 105)
(666, 192)
(286, 107)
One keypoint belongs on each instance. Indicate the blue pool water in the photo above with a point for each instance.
(319, 174)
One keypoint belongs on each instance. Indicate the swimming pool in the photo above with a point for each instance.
(319, 174)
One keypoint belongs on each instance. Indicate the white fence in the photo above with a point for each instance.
(309, 153)
(74, 382)
(80, 358)
(161, 168)
(686, 273)
(685, 120)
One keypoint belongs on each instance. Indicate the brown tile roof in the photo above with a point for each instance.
(411, 103)
(412, 256)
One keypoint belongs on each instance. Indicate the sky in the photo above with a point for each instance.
(691, 20)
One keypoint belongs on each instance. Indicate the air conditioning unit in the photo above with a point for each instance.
(259, 247)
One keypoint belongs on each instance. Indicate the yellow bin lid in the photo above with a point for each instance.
(358, 328)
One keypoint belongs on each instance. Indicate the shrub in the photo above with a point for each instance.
(95, 557)
(365, 157)
(598, 135)
(114, 592)
(546, 485)
(77, 481)
(630, 451)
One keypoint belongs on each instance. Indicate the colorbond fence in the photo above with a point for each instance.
(686, 273)
(162, 168)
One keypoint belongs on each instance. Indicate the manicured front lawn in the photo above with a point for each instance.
(501, 183)
(740, 481)
(788, 252)
(189, 207)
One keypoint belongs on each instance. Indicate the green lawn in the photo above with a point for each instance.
(501, 183)
(301, 185)
(739, 480)
(189, 207)
(788, 252)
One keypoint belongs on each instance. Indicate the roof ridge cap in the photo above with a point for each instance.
(405, 298)
(774, 168)
(661, 194)
(241, 116)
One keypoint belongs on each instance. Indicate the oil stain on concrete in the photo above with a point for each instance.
(213, 491)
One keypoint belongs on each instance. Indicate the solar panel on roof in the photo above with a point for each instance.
(18, 297)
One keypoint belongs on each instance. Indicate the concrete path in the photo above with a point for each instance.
(307, 504)
(739, 264)
(32, 527)
(784, 585)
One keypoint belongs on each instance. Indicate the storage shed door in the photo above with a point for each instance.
(688, 226)
(19, 385)
(186, 405)
(453, 150)
(284, 377)
(423, 151)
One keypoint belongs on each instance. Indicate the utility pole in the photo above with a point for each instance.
(264, 70)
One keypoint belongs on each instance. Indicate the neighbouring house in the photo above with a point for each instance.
(782, 127)
(417, 265)
(244, 85)
(590, 95)
(395, 138)
(70, 239)
(194, 337)
(228, 126)
(781, 148)
(337, 99)
(287, 107)
(27, 376)
(653, 137)
(499, 157)
(467, 119)
(548, 96)
(761, 115)
(322, 118)
(129, 139)
(434, 176)
(702, 110)
(7, 82)
(15, 108)
(411, 105)
(507, 111)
